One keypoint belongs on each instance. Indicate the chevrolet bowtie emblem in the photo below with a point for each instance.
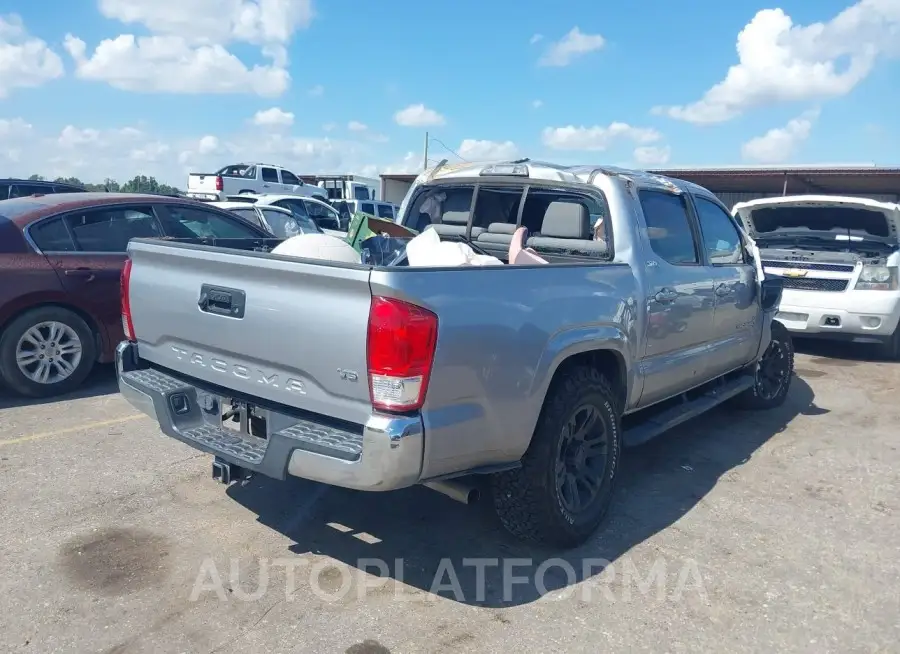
(795, 272)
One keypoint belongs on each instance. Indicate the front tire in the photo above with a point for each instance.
(772, 373)
(562, 493)
(46, 352)
(891, 349)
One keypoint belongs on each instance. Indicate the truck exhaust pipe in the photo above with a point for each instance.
(465, 493)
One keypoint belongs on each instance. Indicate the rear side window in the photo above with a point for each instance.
(367, 207)
(386, 211)
(439, 205)
(4, 191)
(109, 230)
(51, 236)
(669, 227)
(270, 175)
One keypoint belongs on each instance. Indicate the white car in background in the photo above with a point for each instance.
(283, 223)
(323, 214)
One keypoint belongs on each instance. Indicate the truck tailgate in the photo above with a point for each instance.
(202, 182)
(269, 327)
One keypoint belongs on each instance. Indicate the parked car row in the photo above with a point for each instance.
(61, 257)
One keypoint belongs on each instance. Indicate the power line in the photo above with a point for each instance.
(448, 149)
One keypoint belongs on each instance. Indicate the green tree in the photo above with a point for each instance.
(139, 184)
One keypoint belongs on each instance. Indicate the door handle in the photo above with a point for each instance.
(722, 290)
(84, 273)
(665, 296)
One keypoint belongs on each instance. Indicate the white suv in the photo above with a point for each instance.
(839, 259)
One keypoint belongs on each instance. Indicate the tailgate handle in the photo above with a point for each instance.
(222, 301)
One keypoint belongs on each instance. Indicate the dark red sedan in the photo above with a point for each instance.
(61, 257)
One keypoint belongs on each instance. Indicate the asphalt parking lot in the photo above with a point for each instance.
(738, 532)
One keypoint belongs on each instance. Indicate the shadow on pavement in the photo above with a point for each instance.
(418, 534)
(101, 381)
(838, 353)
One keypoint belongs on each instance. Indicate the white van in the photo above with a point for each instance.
(838, 257)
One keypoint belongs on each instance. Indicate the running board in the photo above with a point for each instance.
(669, 418)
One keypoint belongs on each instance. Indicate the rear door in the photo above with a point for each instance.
(271, 182)
(87, 248)
(680, 299)
(736, 321)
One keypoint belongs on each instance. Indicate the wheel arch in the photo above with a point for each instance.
(93, 324)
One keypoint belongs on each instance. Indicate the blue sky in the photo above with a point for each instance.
(341, 88)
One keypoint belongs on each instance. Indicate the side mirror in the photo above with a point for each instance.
(771, 293)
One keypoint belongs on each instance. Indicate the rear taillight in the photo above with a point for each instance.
(219, 185)
(400, 350)
(127, 324)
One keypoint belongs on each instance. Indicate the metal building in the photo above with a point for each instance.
(734, 185)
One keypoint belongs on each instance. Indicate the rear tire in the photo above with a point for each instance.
(772, 373)
(537, 501)
(28, 344)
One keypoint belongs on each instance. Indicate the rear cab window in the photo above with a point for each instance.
(560, 222)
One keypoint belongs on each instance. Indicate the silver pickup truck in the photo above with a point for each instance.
(523, 382)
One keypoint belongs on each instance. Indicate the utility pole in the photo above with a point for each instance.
(425, 163)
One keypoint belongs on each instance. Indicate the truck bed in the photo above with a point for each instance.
(299, 333)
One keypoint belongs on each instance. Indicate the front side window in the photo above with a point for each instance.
(721, 238)
(386, 211)
(324, 216)
(189, 222)
(669, 227)
(288, 177)
(24, 190)
(294, 206)
(248, 214)
(109, 230)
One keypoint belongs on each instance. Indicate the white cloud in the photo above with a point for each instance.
(168, 64)
(411, 163)
(260, 22)
(536, 38)
(573, 45)
(782, 62)
(186, 50)
(475, 150)
(652, 155)
(329, 127)
(596, 138)
(14, 129)
(95, 153)
(537, 104)
(273, 117)
(356, 126)
(25, 61)
(317, 91)
(779, 145)
(208, 145)
(418, 115)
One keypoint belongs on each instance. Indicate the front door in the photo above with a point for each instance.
(737, 322)
(680, 304)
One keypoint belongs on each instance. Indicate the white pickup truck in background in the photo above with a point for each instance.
(236, 179)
